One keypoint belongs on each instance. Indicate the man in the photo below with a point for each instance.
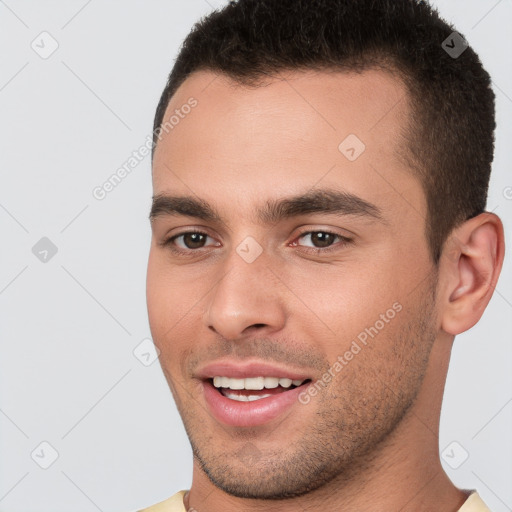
(320, 174)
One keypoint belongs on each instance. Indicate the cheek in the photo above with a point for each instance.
(163, 303)
(343, 302)
(155, 294)
(174, 302)
(167, 291)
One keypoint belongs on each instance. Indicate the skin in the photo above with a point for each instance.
(368, 441)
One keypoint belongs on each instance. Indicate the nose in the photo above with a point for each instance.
(248, 298)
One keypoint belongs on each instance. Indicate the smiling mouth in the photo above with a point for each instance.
(254, 388)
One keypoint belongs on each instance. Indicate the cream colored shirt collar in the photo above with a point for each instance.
(472, 504)
(175, 504)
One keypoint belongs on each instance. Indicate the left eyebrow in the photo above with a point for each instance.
(325, 201)
(318, 201)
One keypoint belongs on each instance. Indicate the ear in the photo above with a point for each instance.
(471, 262)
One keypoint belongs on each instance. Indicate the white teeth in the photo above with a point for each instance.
(255, 383)
(236, 383)
(271, 382)
(285, 383)
(252, 398)
(244, 398)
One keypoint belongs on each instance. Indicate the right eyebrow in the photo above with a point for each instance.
(183, 205)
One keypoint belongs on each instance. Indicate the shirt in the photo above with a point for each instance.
(175, 504)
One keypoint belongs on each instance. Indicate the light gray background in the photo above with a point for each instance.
(68, 375)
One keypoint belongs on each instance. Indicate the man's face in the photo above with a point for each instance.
(336, 294)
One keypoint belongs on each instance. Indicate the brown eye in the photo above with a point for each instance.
(320, 239)
(189, 242)
(193, 240)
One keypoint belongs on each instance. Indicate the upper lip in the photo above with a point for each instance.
(248, 369)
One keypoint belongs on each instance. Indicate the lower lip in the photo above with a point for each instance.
(248, 414)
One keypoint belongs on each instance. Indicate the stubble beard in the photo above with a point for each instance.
(359, 409)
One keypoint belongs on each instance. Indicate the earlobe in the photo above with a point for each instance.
(471, 263)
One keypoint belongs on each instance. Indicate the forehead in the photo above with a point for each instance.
(288, 135)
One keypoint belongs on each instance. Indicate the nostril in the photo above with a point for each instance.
(254, 327)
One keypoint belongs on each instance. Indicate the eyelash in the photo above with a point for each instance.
(343, 241)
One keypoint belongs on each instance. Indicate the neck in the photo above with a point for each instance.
(402, 473)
